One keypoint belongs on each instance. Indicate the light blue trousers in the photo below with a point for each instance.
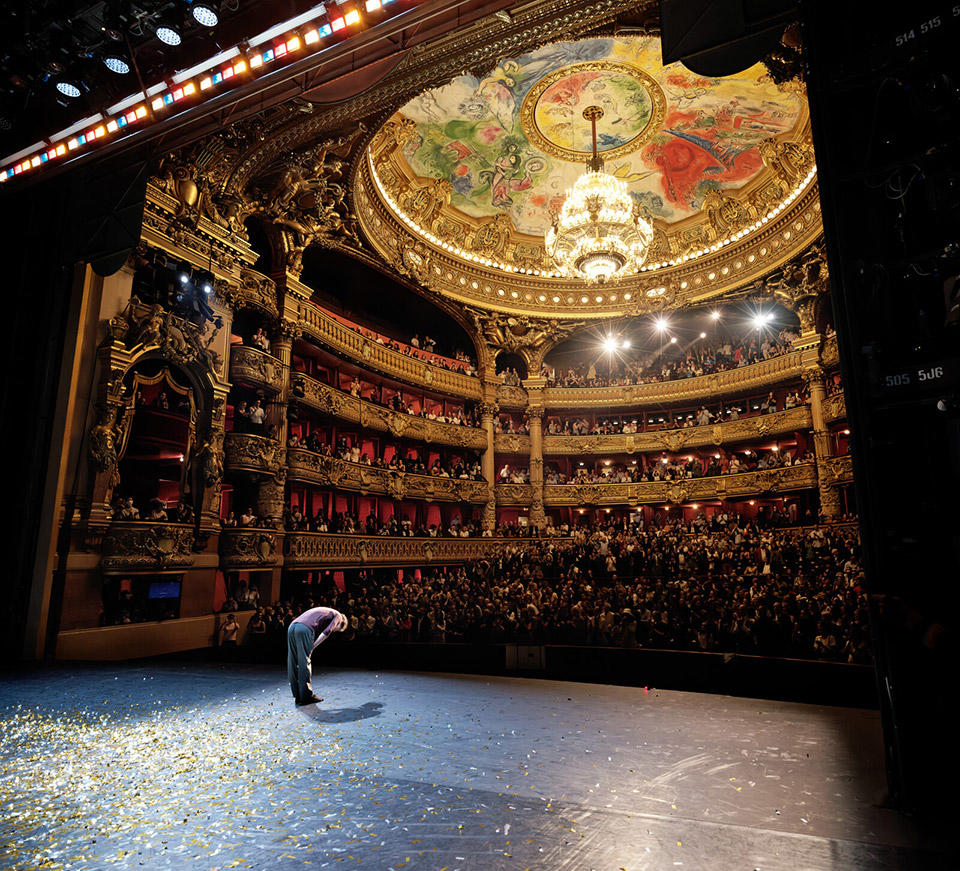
(299, 647)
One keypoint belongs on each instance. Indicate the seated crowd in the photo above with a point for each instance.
(398, 403)
(702, 359)
(155, 511)
(785, 593)
(734, 586)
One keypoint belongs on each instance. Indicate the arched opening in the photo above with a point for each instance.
(260, 243)
(159, 433)
(512, 367)
(366, 296)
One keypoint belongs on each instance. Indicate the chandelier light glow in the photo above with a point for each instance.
(600, 233)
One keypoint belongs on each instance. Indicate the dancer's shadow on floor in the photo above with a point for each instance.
(342, 715)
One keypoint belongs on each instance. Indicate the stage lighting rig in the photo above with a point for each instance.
(206, 12)
(117, 61)
(169, 32)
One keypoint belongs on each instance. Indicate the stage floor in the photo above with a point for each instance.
(213, 767)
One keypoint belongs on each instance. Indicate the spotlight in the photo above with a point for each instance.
(168, 33)
(205, 282)
(673, 340)
(661, 324)
(183, 272)
(759, 320)
(703, 335)
(117, 62)
(626, 344)
(609, 344)
(206, 12)
(768, 317)
(715, 315)
(70, 88)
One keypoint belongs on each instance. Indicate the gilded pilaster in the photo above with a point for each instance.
(488, 411)
(823, 450)
(534, 414)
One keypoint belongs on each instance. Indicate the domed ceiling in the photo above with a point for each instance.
(461, 185)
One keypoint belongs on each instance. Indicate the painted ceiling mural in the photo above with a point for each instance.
(515, 141)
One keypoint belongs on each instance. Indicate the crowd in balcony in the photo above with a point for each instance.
(397, 402)
(350, 451)
(424, 348)
(702, 359)
(259, 339)
(743, 589)
(155, 510)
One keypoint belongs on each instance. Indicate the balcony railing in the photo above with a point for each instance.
(324, 471)
(145, 546)
(371, 354)
(242, 549)
(712, 435)
(255, 366)
(837, 470)
(701, 388)
(781, 480)
(514, 494)
(252, 453)
(313, 549)
(511, 443)
(369, 415)
(834, 408)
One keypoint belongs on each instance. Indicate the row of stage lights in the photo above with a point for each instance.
(318, 29)
(612, 344)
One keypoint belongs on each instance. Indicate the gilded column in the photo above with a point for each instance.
(534, 415)
(271, 495)
(822, 447)
(488, 411)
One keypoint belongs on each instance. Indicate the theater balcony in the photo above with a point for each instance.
(781, 480)
(713, 435)
(350, 341)
(248, 549)
(256, 368)
(371, 416)
(324, 471)
(142, 546)
(303, 550)
(247, 452)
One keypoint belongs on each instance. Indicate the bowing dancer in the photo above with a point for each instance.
(310, 629)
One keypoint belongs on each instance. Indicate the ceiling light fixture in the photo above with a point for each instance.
(168, 33)
(600, 233)
(70, 88)
(206, 12)
(117, 62)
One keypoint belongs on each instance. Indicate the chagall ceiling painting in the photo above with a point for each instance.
(513, 141)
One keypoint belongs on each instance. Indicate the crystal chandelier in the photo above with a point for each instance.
(599, 233)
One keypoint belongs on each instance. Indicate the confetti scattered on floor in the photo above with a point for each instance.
(212, 767)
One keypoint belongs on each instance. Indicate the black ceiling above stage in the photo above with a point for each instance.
(44, 39)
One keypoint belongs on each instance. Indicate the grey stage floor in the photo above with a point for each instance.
(212, 767)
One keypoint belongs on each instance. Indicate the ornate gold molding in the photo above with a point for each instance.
(329, 332)
(144, 546)
(745, 484)
(369, 415)
(836, 470)
(764, 374)
(309, 549)
(713, 435)
(834, 408)
(249, 549)
(252, 453)
(253, 289)
(324, 471)
(514, 494)
(256, 366)
(511, 443)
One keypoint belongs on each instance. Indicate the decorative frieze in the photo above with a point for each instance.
(713, 435)
(253, 453)
(836, 471)
(781, 480)
(314, 549)
(514, 494)
(248, 549)
(324, 471)
(144, 546)
(834, 408)
(255, 366)
(369, 415)
(511, 443)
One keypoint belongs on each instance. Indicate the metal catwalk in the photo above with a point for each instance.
(213, 767)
